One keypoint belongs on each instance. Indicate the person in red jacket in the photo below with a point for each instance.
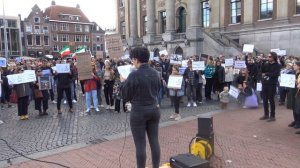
(90, 88)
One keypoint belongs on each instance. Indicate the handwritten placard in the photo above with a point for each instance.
(181, 70)
(234, 92)
(175, 82)
(184, 63)
(239, 64)
(3, 62)
(259, 87)
(151, 56)
(25, 77)
(287, 80)
(198, 65)
(229, 62)
(63, 68)
(248, 48)
(175, 59)
(125, 70)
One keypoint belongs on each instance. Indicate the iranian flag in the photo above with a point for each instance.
(65, 51)
(79, 50)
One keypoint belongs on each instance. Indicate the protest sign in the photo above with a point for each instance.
(125, 70)
(229, 62)
(63, 68)
(44, 83)
(165, 52)
(184, 63)
(248, 48)
(46, 72)
(239, 64)
(175, 59)
(84, 66)
(259, 87)
(2, 62)
(151, 56)
(198, 65)
(181, 70)
(282, 53)
(287, 80)
(29, 76)
(25, 77)
(114, 45)
(175, 82)
(156, 59)
(234, 92)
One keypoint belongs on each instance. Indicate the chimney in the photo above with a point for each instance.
(78, 6)
(53, 3)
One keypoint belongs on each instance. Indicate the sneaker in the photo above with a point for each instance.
(26, 117)
(173, 116)
(65, 101)
(264, 117)
(83, 95)
(271, 119)
(97, 109)
(54, 102)
(107, 107)
(70, 110)
(22, 117)
(92, 107)
(296, 126)
(189, 105)
(244, 107)
(112, 107)
(74, 101)
(178, 117)
(87, 110)
(194, 104)
(101, 105)
(200, 102)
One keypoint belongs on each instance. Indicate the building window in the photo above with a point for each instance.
(54, 26)
(266, 9)
(28, 28)
(181, 20)
(77, 38)
(297, 6)
(11, 23)
(29, 40)
(122, 3)
(98, 47)
(55, 48)
(205, 14)
(236, 11)
(45, 29)
(98, 38)
(163, 21)
(64, 27)
(123, 30)
(64, 38)
(38, 40)
(145, 25)
(36, 20)
(37, 29)
(55, 37)
(87, 28)
(65, 17)
(87, 38)
(78, 28)
(46, 40)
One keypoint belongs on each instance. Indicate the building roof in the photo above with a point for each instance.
(53, 13)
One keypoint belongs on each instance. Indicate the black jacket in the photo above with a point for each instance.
(272, 72)
(63, 80)
(142, 87)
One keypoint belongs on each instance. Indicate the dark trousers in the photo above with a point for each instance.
(176, 101)
(142, 121)
(42, 101)
(23, 103)
(51, 94)
(208, 88)
(82, 86)
(108, 92)
(269, 92)
(118, 105)
(199, 92)
(191, 92)
(282, 93)
(60, 95)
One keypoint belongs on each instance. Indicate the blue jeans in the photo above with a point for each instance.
(88, 95)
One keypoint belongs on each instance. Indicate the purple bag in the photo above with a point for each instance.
(251, 101)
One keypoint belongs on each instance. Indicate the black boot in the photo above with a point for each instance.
(40, 113)
(45, 112)
(292, 124)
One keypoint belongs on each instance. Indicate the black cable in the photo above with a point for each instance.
(37, 160)
(120, 165)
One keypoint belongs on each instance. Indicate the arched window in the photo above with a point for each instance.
(205, 14)
(181, 20)
(179, 51)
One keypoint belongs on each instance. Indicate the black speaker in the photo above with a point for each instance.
(205, 126)
(188, 161)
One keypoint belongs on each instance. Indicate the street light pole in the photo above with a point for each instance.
(5, 33)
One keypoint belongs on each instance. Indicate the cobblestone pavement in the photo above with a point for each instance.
(55, 131)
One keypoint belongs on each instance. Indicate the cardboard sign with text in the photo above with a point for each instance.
(84, 66)
(114, 45)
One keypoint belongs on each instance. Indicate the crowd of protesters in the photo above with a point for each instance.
(216, 79)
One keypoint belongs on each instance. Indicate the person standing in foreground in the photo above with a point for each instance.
(269, 82)
(141, 89)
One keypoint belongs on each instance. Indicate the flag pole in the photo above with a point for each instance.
(5, 33)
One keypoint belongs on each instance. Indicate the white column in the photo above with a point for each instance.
(149, 38)
(170, 9)
(133, 18)
(195, 9)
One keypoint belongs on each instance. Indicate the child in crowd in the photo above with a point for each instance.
(224, 97)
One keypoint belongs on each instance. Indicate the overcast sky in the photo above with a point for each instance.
(102, 12)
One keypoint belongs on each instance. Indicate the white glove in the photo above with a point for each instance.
(128, 106)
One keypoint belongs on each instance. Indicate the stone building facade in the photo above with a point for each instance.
(210, 27)
(47, 32)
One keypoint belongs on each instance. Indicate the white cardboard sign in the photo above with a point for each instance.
(234, 92)
(63, 68)
(176, 59)
(125, 70)
(248, 48)
(198, 65)
(25, 77)
(184, 63)
(239, 64)
(287, 80)
(229, 62)
(175, 81)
